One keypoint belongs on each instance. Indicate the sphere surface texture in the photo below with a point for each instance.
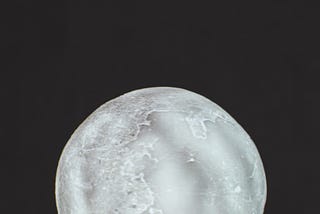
(160, 150)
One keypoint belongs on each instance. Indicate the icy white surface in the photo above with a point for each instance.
(160, 151)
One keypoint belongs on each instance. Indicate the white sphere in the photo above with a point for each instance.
(160, 151)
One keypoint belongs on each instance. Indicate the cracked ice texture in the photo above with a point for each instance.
(160, 151)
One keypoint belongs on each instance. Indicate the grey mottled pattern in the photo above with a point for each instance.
(160, 151)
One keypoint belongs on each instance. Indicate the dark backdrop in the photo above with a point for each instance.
(63, 59)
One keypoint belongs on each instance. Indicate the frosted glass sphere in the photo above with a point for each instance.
(160, 150)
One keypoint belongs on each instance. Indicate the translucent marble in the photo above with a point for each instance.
(160, 150)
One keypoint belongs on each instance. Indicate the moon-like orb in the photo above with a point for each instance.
(160, 150)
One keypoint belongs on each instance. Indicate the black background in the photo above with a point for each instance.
(63, 59)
